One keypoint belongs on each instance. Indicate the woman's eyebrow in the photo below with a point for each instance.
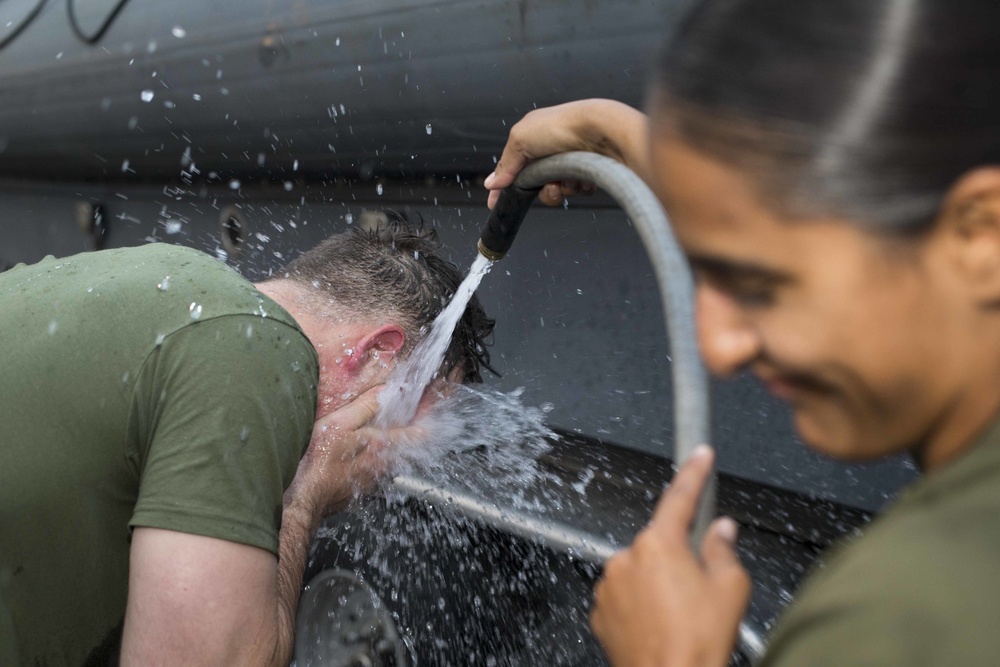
(730, 268)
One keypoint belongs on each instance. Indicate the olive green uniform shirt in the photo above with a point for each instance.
(144, 387)
(921, 587)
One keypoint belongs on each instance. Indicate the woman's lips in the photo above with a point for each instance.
(783, 388)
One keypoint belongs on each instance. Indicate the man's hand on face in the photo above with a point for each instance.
(345, 457)
(659, 603)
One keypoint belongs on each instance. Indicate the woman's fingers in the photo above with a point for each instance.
(551, 195)
(677, 506)
(726, 576)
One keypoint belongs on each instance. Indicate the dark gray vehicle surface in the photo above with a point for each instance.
(259, 88)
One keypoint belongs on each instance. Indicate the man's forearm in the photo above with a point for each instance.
(298, 525)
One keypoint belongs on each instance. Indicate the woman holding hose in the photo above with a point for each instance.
(832, 170)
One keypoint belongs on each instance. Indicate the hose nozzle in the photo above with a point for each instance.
(505, 220)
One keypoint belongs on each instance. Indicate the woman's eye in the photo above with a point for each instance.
(753, 295)
(750, 291)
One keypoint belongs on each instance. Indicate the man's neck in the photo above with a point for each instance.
(293, 298)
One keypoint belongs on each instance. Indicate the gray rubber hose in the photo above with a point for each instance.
(673, 277)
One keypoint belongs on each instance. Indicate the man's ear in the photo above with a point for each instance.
(384, 342)
(972, 220)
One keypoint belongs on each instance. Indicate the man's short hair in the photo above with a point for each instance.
(395, 267)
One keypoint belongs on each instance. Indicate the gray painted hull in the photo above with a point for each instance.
(314, 88)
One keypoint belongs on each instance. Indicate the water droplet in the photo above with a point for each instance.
(234, 184)
(349, 219)
(196, 97)
(172, 226)
(295, 165)
(53, 327)
(379, 189)
(179, 32)
(429, 128)
(159, 339)
(146, 95)
(249, 330)
(244, 433)
(124, 166)
(337, 42)
(164, 284)
(195, 310)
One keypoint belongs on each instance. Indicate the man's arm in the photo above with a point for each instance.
(197, 600)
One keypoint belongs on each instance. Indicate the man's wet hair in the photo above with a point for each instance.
(395, 266)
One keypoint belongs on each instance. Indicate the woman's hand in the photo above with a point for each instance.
(659, 603)
(599, 126)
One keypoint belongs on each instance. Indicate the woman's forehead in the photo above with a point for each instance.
(720, 219)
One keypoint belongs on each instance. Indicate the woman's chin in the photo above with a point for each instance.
(830, 436)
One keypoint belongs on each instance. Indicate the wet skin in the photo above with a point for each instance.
(880, 344)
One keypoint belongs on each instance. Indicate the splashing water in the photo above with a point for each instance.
(459, 591)
(508, 436)
(398, 401)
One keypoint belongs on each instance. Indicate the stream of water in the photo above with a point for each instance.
(398, 402)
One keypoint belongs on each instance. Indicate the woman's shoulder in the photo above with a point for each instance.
(920, 586)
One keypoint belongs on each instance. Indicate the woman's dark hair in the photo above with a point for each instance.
(867, 109)
(395, 266)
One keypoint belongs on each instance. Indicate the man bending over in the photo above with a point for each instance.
(172, 436)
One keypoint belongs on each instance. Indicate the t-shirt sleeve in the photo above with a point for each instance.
(222, 413)
(859, 637)
(917, 594)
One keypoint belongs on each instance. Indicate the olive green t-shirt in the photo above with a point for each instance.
(921, 587)
(151, 386)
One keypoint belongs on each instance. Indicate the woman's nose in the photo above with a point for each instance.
(728, 342)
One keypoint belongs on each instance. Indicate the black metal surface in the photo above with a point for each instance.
(341, 621)
(465, 592)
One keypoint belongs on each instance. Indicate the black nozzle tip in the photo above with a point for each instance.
(505, 221)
